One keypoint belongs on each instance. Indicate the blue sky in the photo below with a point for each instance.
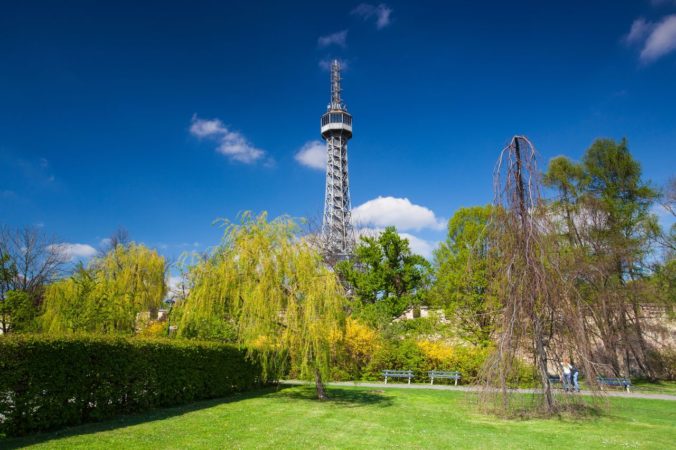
(163, 116)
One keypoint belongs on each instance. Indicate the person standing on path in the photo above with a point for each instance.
(566, 374)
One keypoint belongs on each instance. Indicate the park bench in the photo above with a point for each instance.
(620, 382)
(398, 374)
(432, 374)
(555, 379)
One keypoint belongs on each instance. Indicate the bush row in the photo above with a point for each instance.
(48, 382)
(418, 345)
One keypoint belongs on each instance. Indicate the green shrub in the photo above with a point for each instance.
(469, 361)
(404, 354)
(421, 356)
(49, 382)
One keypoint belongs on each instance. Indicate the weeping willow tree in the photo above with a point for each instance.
(107, 296)
(541, 317)
(273, 290)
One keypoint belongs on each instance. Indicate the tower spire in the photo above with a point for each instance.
(336, 102)
(336, 127)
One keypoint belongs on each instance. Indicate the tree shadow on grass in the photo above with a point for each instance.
(135, 419)
(343, 397)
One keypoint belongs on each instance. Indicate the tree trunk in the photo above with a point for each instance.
(321, 391)
(541, 357)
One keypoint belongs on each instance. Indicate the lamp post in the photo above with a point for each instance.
(170, 303)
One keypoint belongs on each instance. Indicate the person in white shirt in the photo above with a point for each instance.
(567, 372)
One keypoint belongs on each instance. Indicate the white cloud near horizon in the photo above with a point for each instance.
(380, 12)
(418, 245)
(230, 143)
(655, 38)
(339, 38)
(399, 212)
(74, 251)
(313, 155)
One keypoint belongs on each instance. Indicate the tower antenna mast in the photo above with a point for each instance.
(336, 129)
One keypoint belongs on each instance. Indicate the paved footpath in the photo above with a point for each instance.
(444, 387)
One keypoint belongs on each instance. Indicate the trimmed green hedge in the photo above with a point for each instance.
(49, 382)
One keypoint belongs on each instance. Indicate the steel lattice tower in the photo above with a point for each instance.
(336, 127)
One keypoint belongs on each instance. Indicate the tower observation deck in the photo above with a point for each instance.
(336, 128)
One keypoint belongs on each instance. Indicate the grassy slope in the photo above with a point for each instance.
(359, 418)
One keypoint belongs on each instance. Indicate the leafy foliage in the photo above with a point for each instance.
(423, 355)
(361, 344)
(19, 310)
(49, 382)
(462, 274)
(604, 207)
(108, 296)
(274, 292)
(385, 276)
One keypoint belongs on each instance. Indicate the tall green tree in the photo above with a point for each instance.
(385, 276)
(109, 295)
(273, 289)
(605, 208)
(462, 274)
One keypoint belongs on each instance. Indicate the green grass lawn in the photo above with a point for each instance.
(366, 418)
(657, 387)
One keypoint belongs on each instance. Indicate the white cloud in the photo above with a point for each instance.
(230, 143)
(661, 41)
(399, 212)
(339, 38)
(74, 251)
(639, 30)
(418, 245)
(202, 128)
(312, 155)
(655, 38)
(381, 13)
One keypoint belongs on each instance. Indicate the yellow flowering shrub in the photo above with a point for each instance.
(155, 329)
(436, 352)
(361, 341)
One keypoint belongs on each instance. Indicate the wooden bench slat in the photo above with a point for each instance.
(432, 374)
(611, 381)
(397, 374)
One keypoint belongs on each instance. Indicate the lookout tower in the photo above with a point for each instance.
(336, 127)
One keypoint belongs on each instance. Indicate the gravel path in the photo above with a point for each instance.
(444, 387)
